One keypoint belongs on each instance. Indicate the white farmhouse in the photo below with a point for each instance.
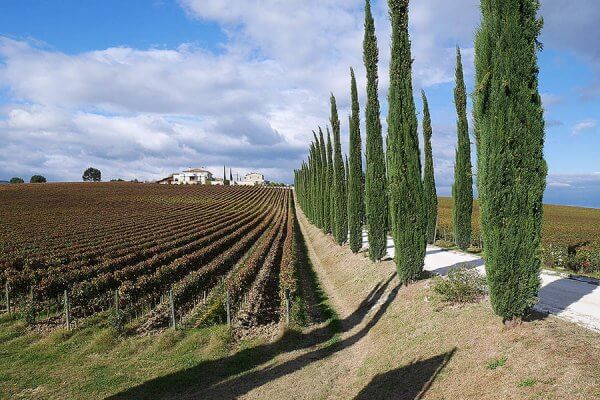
(192, 176)
(255, 177)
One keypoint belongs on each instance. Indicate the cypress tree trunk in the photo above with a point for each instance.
(404, 164)
(355, 185)
(340, 230)
(330, 190)
(431, 201)
(376, 202)
(326, 222)
(509, 130)
(462, 189)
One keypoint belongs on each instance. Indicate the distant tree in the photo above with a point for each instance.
(428, 175)
(16, 180)
(354, 174)
(376, 206)
(511, 170)
(407, 199)
(462, 189)
(37, 179)
(92, 175)
(117, 180)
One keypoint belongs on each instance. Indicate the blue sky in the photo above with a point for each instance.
(143, 88)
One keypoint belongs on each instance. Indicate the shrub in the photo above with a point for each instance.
(462, 285)
(30, 312)
(116, 320)
(37, 179)
(16, 180)
(527, 382)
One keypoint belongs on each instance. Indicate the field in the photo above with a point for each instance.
(146, 255)
(570, 235)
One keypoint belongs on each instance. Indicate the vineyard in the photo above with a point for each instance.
(148, 257)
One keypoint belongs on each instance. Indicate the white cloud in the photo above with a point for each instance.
(253, 105)
(584, 125)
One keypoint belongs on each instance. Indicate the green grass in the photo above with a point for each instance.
(527, 382)
(497, 362)
(94, 362)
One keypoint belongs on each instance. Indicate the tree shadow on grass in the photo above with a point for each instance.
(408, 382)
(235, 375)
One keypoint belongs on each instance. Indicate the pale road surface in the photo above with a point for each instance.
(569, 299)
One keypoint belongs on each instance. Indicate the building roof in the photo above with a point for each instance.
(196, 170)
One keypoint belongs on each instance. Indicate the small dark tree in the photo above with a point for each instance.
(92, 175)
(37, 179)
(16, 180)
(431, 201)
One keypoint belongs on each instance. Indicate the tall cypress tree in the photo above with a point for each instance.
(509, 130)
(330, 189)
(376, 203)
(462, 189)
(326, 222)
(407, 200)
(318, 183)
(354, 176)
(431, 201)
(341, 224)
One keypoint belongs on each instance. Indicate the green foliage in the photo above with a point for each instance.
(509, 131)
(16, 180)
(330, 187)
(406, 195)
(431, 202)
(462, 189)
(92, 175)
(462, 285)
(527, 382)
(355, 185)
(376, 202)
(37, 179)
(324, 201)
(340, 231)
(496, 362)
(116, 320)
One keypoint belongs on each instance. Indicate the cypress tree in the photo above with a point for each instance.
(404, 164)
(330, 189)
(509, 131)
(354, 175)
(318, 183)
(431, 201)
(340, 230)
(326, 222)
(376, 203)
(462, 189)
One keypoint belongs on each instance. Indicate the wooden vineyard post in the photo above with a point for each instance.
(7, 288)
(172, 303)
(67, 311)
(7, 293)
(287, 306)
(228, 309)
